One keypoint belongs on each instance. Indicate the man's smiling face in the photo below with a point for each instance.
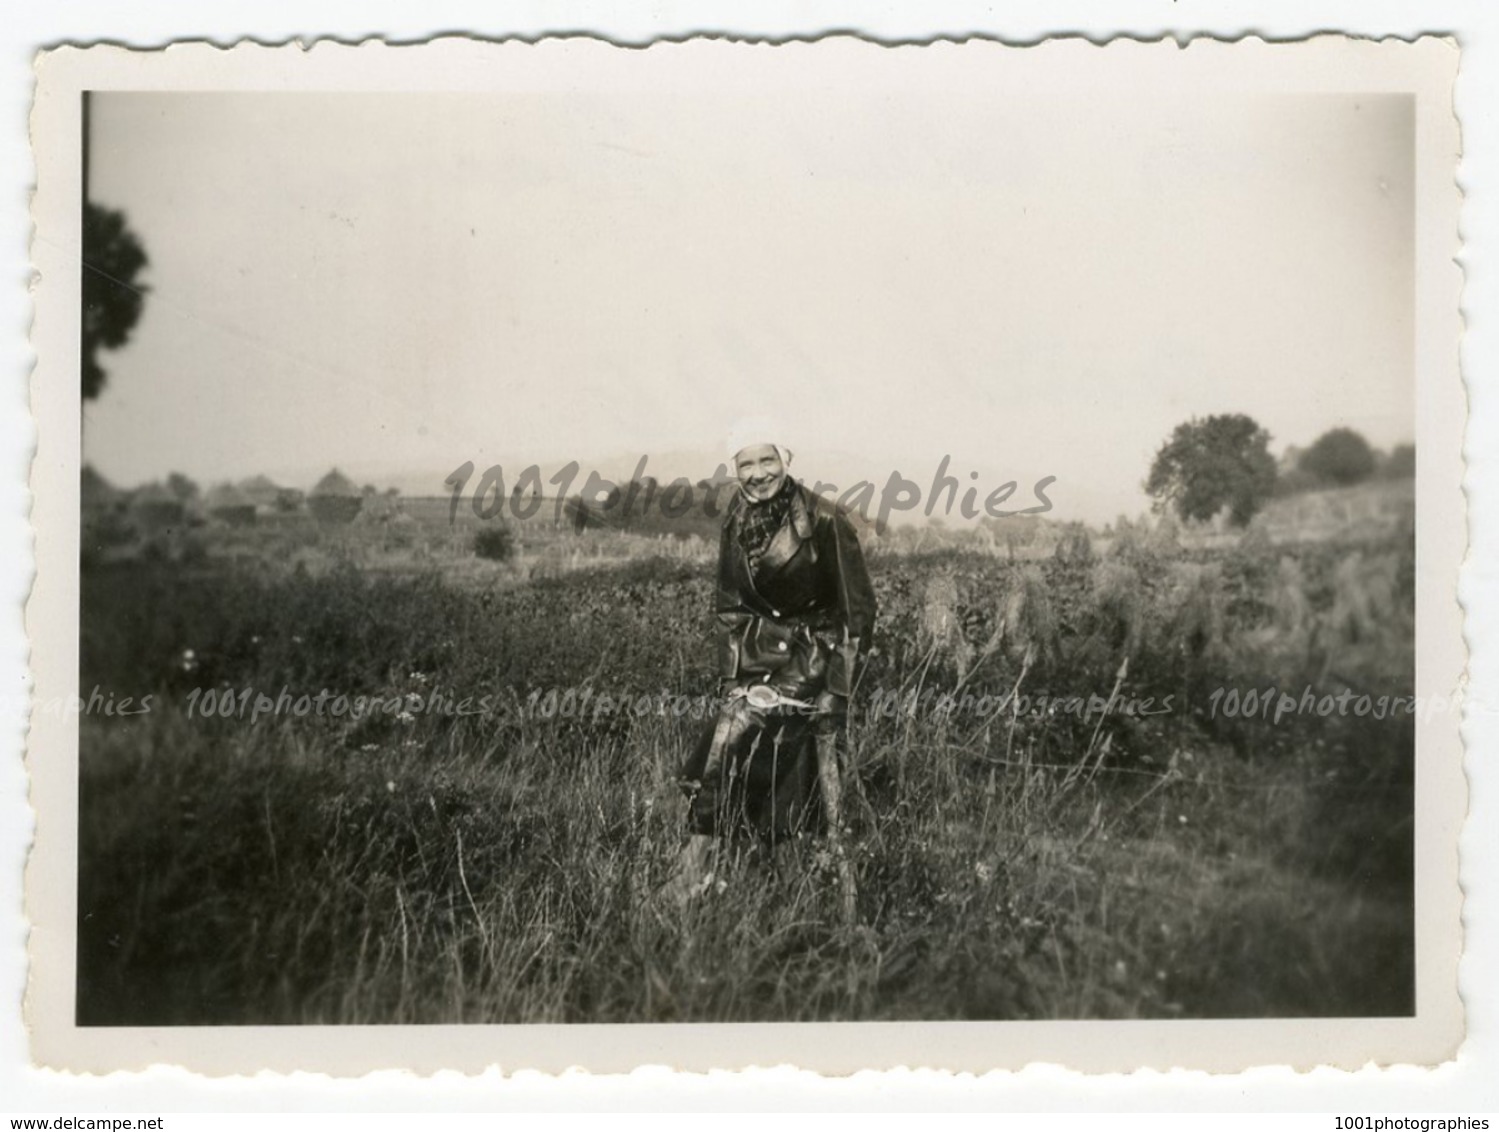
(761, 471)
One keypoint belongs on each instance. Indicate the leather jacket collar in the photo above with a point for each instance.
(795, 530)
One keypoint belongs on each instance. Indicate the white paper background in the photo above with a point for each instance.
(1472, 1084)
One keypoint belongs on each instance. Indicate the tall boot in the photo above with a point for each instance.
(832, 801)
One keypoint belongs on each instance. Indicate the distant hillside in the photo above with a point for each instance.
(1367, 508)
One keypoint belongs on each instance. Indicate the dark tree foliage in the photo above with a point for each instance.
(1207, 465)
(289, 499)
(585, 516)
(494, 542)
(1401, 464)
(183, 488)
(1339, 456)
(112, 297)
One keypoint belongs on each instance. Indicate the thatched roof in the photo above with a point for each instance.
(153, 493)
(335, 483)
(260, 489)
(379, 507)
(226, 497)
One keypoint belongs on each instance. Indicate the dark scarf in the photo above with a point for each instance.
(759, 522)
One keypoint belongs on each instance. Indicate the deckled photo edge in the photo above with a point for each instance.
(51, 619)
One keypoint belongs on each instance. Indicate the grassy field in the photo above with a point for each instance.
(1017, 858)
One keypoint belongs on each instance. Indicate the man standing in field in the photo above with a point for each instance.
(794, 605)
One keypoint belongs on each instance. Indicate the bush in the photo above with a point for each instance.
(104, 528)
(1340, 456)
(494, 542)
(1075, 547)
(1401, 463)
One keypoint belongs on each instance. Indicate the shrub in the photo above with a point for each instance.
(494, 542)
(1340, 456)
(1074, 548)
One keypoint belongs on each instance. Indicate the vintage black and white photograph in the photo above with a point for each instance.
(712, 538)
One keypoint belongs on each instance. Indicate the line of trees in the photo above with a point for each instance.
(1341, 457)
(646, 506)
(1208, 466)
(1222, 463)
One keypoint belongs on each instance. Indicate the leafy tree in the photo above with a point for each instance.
(112, 298)
(1207, 465)
(639, 497)
(184, 489)
(1339, 456)
(1401, 464)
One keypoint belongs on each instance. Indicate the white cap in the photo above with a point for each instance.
(749, 431)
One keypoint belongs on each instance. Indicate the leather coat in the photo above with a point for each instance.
(801, 617)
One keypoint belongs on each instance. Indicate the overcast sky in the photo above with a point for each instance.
(402, 282)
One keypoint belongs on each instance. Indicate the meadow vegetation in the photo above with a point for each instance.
(1018, 856)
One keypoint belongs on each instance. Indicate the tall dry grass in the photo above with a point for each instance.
(500, 866)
